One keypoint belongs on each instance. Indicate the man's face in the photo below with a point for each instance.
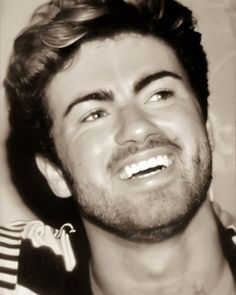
(129, 131)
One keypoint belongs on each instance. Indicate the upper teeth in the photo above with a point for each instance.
(129, 170)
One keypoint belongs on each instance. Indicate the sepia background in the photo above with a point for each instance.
(217, 22)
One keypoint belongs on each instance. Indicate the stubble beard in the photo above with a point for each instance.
(160, 214)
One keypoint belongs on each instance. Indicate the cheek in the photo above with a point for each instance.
(183, 122)
(192, 133)
(87, 154)
(178, 114)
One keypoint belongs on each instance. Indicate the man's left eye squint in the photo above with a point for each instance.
(161, 96)
(95, 116)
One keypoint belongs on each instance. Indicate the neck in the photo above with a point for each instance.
(189, 263)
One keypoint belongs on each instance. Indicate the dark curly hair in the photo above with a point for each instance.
(56, 32)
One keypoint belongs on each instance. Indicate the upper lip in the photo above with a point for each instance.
(145, 155)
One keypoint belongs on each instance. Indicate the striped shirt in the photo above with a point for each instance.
(36, 259)
(10, 243)
(43, 245)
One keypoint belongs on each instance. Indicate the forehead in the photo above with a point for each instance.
(113, 63)
(124, 51)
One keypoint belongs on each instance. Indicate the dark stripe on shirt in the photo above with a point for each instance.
(11, 230)
(9, 236)
(10, 246)
(7, 285)
(8, 257)
(8, 271)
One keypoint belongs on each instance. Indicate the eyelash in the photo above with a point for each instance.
(96, 112)
(166, 92)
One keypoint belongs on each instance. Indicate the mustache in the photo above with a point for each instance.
(133, 148)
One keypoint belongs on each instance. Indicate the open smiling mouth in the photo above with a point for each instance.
(146, 168)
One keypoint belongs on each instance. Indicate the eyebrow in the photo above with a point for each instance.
(143, 82)
(99, 95)
(102, 95)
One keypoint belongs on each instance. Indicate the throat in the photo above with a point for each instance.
(196, 282)
(185, 285)
(191, 263)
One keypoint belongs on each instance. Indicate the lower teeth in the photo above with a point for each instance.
(150, 172)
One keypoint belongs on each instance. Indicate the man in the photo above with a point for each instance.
(112, 97)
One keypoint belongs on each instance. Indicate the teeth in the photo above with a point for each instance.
(162, 161)
(130, 170)
(134, 168)
(143, 165)
(152, 162)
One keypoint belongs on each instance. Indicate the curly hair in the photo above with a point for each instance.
(57, 30)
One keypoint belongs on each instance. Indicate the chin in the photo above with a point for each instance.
(155, 217)
(148, 227)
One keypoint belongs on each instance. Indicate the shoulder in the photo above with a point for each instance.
(228, 241)
(35, 258)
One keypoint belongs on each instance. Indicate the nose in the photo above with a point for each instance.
(134, 126)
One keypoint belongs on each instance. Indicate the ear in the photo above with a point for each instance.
(54, 177)
(210, 131)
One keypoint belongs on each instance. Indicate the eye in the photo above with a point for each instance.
(95, 115)
(161, 95)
